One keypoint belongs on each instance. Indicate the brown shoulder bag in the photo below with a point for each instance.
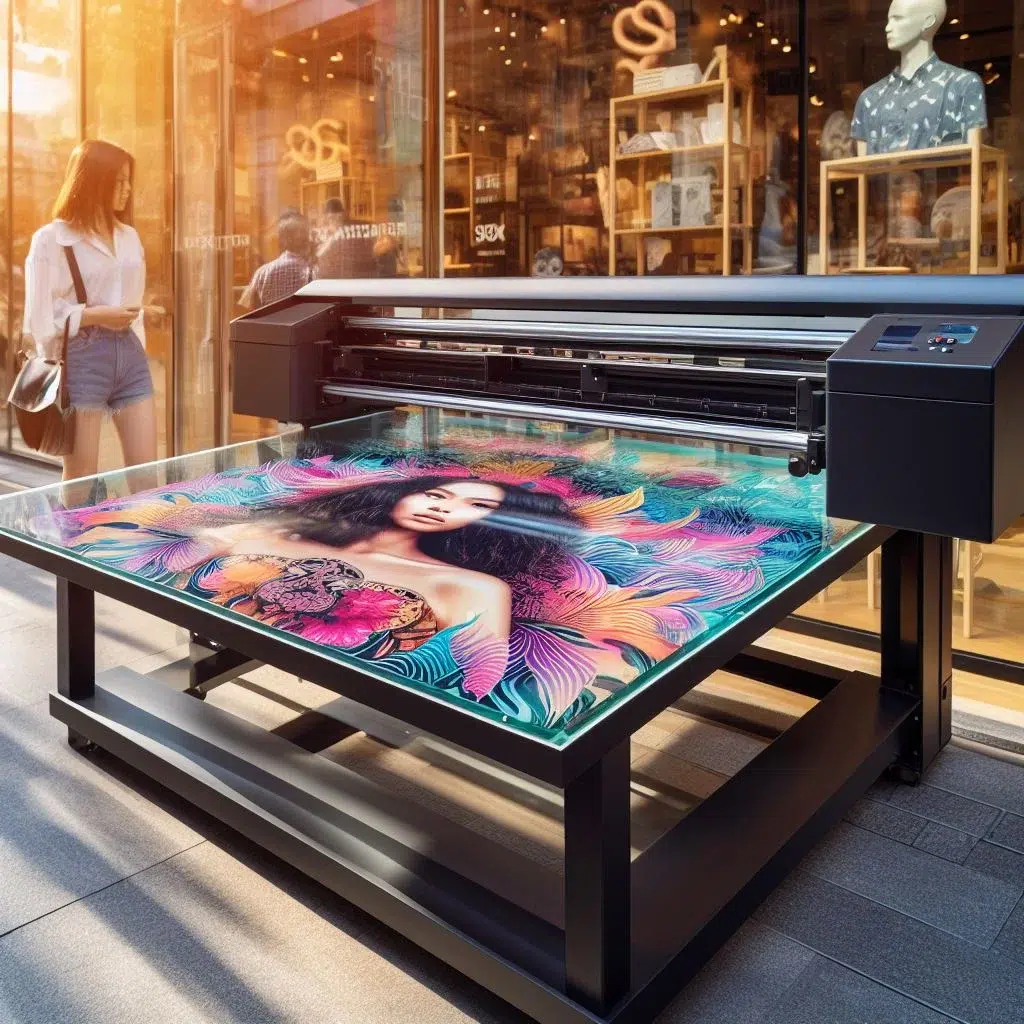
(40, 392)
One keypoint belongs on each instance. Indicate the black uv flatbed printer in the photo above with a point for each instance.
(907, 391)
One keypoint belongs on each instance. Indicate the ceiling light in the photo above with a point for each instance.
(372, 98)
(303, 60)
(330, 74)
(524, 63)
(812, 68)
(452, 93)
(786, 48)
(774, 40)
(723, 22)
(487, 10)
(561, 21)
(954, 21)
(965, 35)
(759, 23)
(481, 128)
(502, 48)
(279, 53)
(531, 137)
(513, 33)
(305, 78)
(988, 65)
(816, 101)
(508, 60)
(543, 28)
(337, 58)
(497, 28)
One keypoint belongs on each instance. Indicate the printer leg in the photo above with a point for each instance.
(917, 627)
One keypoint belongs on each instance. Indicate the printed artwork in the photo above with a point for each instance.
(525, 578)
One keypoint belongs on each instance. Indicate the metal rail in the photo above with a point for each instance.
(787, 295)
(761, 437)
(618, 360)
(826, 341)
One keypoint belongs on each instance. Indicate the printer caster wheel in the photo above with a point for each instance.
(79, 742)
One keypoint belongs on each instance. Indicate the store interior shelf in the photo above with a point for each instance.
(680, 92)
(709, 148)
(715, 229)
(727, 199)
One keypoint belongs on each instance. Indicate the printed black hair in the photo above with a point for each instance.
(527, 529)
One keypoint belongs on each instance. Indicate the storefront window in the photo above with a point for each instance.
(931, 108)
(43, 106)
(914, 204)
(128, 103)
(584, 138)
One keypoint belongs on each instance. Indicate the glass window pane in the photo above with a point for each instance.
(127, 103)
(44, 110)
(559, 160)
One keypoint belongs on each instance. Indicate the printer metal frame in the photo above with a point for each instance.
(613, 939)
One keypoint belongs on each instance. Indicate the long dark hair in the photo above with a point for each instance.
(525, 530)
(86, 198)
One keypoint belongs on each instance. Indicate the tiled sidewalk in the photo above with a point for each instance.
(119, 903)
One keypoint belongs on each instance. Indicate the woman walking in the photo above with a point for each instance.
(91, 233)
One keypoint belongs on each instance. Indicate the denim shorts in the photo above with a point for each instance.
(107, 369)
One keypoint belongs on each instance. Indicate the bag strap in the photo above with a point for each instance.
(76, 277)
(76, 274)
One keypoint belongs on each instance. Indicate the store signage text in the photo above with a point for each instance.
(218, 242)
(483, 233)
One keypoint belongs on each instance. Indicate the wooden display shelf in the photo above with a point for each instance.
(680, 92)
(971, 154)
(736, 171)
(456, 209)
(711, 147)
(683, 228)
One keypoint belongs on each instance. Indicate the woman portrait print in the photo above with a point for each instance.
(437, 551)
(527, 579)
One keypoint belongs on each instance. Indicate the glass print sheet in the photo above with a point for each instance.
(529, 576)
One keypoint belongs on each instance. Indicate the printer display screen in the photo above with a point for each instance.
(898, 337)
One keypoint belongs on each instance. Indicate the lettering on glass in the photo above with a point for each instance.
(655, 23)
(312, 148)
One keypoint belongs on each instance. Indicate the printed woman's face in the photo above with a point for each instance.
(122, 189)
(447, 507)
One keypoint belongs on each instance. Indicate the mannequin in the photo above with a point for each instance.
(925, 102)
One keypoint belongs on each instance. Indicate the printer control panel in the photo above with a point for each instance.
(911, 337)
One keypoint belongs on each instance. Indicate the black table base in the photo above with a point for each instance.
(612, 939)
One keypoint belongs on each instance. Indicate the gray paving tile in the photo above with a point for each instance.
(69, 825)
(28, 653)
(826, 991)
(721, 750)
(948, 843)
(746, 977)
(998, 862)
(947, 896)
(1011, 939)
(205, 937)
(1009, 831)
(956, 977)
(887, 821)
(946, 808)
(28, 664)
(974, 775)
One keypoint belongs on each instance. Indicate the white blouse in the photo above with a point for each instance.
(115, 278)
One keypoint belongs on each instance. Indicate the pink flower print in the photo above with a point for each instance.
(357, 614)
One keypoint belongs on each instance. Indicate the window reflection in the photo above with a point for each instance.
(557, 160)
(42, 104)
